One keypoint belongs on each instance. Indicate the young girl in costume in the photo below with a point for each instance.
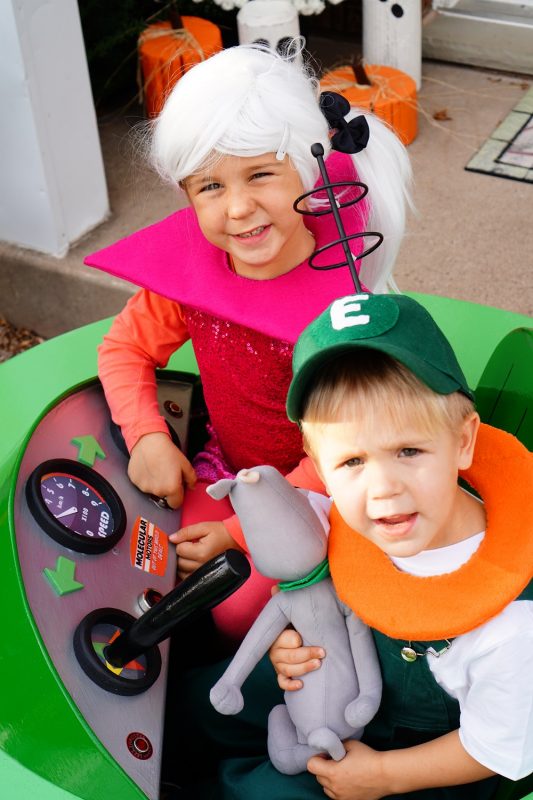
(443, 579)
(231, 273)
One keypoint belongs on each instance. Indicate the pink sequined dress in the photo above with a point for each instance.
(243, 332)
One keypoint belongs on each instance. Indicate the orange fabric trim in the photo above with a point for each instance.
(409, 607)
(305, 476)
(143, 336)
(234, 529)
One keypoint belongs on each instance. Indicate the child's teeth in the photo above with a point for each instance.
(254, 232)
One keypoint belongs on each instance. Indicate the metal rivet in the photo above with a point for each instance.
(408, 654)
(173, 409)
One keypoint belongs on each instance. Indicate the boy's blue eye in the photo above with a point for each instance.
(353, 462)
(409, 451)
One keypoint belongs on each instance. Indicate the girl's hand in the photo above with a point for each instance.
(198, 543)
(158, 467)
(358, 776)
(291, 660)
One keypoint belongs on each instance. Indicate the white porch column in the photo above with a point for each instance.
(52, 179)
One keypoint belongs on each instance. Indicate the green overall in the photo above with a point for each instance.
(414, 709)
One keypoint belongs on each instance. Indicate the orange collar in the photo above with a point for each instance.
(409, 607)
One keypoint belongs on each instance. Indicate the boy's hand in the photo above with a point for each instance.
(291, 660)
(366, 774)
(358, 776)
(198, 543)
(158, 467)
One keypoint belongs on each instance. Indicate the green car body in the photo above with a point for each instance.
(47, 750)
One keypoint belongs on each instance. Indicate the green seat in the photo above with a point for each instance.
(504, 394)
(504, 398)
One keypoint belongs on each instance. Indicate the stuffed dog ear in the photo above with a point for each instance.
(221, 488)
(248, 476)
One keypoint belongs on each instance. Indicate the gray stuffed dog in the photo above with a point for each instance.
(287, 542)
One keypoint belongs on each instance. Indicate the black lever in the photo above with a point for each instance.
(212, 583)
(129, 662)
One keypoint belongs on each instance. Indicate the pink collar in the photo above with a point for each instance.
(172, 258)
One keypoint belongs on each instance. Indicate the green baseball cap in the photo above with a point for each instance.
(392, 323)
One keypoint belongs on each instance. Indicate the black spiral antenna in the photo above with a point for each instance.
(318, 151)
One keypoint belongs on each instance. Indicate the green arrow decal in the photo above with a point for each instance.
(89, 449)
(61, 578)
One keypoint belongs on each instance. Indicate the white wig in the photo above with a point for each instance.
(243, 101)
(246, 101)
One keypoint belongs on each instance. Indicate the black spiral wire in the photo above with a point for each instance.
(334, 205)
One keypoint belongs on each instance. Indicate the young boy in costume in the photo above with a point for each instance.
(442, 577)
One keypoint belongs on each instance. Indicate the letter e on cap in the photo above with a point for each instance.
(345, 312)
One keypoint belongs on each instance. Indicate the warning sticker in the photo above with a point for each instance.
(149, 547)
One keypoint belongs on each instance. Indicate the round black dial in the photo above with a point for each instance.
(76, 506)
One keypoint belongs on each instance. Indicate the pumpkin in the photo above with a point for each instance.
(390, 94)
(166, 53)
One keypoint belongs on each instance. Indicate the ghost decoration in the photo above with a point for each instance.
(392, 35)
(270, 23)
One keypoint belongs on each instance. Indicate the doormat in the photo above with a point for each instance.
(508, 152)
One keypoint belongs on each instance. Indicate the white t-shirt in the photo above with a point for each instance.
(489, 671)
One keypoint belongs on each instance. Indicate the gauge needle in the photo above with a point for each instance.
(71, 510)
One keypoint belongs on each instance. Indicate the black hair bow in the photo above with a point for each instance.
(350, 137)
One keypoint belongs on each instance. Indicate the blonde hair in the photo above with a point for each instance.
(368, 384)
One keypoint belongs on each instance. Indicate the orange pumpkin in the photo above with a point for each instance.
(165, 54)
(391, 95)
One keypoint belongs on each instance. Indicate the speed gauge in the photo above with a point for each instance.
(76, 506)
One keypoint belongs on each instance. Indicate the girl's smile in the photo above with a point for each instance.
(244, 206)
(254, 236)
